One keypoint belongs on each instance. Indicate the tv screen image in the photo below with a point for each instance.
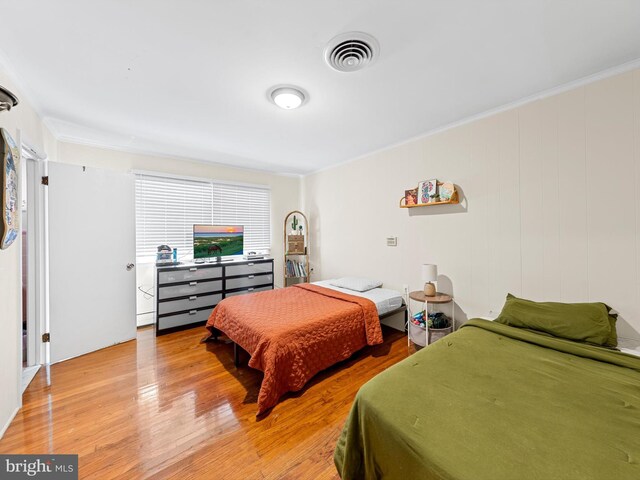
(217, 240)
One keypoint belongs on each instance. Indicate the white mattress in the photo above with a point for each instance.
(386, 300)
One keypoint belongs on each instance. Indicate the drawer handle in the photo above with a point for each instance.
(193, 312)
(193, 284)
(251, 276)
(250, 264)
(193, 269)
(191, 299)
(252, 288)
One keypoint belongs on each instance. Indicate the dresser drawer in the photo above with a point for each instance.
(250, 281)
(191, 303)
(194, 316)
(189, 275)
(249, 269)
(188, 289)
(249, 290)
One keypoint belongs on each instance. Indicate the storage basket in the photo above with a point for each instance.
(438, 333)
(418, 335)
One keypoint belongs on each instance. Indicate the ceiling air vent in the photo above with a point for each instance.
(351, 51)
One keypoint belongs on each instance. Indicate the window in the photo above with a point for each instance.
(167, 208)
(248, 206)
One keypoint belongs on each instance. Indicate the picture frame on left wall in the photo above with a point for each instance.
(9, 182)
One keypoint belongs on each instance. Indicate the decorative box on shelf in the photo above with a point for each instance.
(295, 244)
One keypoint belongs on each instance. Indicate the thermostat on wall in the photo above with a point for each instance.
(392, 241)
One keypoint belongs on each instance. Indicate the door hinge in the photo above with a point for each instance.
(45, 180)
(46, 337)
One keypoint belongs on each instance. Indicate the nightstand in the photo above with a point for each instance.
(438, 298)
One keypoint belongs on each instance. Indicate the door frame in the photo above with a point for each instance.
(37, 284)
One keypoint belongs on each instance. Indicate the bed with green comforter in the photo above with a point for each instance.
(494, 402)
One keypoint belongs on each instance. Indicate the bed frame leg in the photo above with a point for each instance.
(236, 355)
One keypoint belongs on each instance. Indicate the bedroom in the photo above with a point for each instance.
(532, 111)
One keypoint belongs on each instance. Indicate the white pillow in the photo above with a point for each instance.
(356, 283)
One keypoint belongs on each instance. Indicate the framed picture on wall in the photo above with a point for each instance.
(9, 227)
(445, 191)
(411, 197)
(427, 191)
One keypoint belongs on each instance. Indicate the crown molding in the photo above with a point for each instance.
(22, 87)
(152, 153)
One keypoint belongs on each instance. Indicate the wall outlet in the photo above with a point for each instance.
(392, 241)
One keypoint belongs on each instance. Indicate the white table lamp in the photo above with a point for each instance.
(429, 275)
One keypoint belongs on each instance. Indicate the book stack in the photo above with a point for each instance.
(296, 268)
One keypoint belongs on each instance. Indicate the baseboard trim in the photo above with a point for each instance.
(6, 425)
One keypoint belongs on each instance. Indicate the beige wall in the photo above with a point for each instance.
(23, 118)
(551, 209)
(285, 190)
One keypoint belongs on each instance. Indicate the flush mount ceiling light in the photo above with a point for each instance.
(287, 97)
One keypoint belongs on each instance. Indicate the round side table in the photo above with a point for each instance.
(438, 298)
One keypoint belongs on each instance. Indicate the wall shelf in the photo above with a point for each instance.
(454, 200)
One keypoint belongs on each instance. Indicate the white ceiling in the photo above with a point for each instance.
(190, 78)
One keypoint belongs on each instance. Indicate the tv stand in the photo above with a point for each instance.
(220, 260)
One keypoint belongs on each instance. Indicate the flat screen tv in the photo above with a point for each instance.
(217, 240)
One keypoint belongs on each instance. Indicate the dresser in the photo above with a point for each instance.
(186, 293)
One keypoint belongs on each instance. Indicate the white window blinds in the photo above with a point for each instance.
(248, 206)
(167, 208)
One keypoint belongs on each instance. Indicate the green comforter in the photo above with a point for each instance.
(496, 402)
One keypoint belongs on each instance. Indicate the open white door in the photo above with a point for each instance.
(91, 255)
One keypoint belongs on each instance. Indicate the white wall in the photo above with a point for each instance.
(551, 209)
(24, 118)
(285, 197)
(285, 189)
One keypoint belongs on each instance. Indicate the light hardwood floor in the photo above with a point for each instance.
(175, 408)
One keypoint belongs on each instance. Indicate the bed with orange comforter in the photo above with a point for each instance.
(295, 332)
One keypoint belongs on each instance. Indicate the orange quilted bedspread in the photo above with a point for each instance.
(295, 332)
